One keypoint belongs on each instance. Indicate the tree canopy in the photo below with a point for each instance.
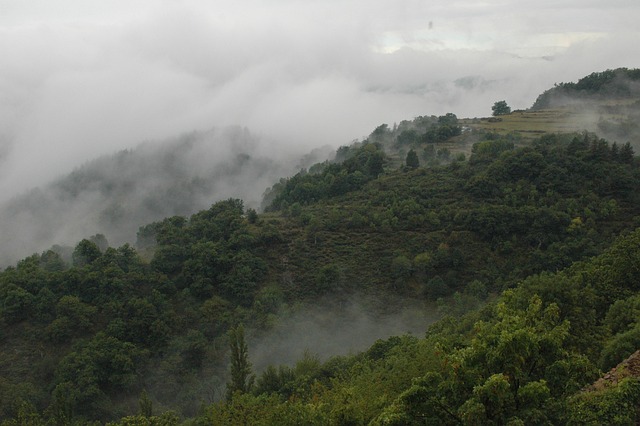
(500, 108)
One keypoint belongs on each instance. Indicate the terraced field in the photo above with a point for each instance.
(568, 119)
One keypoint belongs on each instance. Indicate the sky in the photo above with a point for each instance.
(82, 78)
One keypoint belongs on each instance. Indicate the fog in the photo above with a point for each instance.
(79, 80)
(116, 194)
(336, 327)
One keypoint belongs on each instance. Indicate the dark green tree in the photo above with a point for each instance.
(412, 159)
(241, 376)
(85, 252)
(501, 108)
(145, 403)
(626, 153)
(101, 241)
(407, 137)
(252, 216)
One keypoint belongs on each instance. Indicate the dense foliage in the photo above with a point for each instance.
(523, 359)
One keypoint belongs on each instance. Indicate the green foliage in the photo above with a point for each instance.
(358, 165)
(275, 380)
(85, 253)
(241, 377)
(616, 405)
(619, 347)
(168, 418)
(246, 409)
(623, 314)
(102, 364)
(52, 261)
(407, 137)
(252, 216)
(145, 404)
(73, 317)
(412, 160)
(329, 280)
(17, 303)
(500, 377)
(500, 108)
(490, 150)
(436, 288)
(401, 267)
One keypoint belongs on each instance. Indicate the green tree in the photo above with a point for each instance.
(612, 405)
(501, 108)
(15, 303)
(145, 404)
(85, 253)
(87, 377)
(252, 216)
(407, 137)
(241, 376)
(401, 267)
(412, 159)
(512, 371)
(100, 241)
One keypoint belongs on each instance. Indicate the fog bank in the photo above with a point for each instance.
(116, 194)
(83, 79)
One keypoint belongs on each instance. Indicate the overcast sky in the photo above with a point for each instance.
(83, 78)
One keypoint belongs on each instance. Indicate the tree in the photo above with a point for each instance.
(252, 216)
(145, 404)
(100, 241)
(512, 371)
(626, 153)
(412, 159)
(501, 108)
(449, 119)
(407, 137)
(241, 376)
(85, 252)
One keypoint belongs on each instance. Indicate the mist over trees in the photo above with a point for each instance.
(115, 195)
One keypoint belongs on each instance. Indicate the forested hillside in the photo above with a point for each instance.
(521, 260)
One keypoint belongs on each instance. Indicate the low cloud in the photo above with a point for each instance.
(337, 327)
(116, 194)
(81, 80)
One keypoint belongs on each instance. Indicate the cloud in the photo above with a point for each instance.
(81, 79)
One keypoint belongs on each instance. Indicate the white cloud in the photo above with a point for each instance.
(82, 78)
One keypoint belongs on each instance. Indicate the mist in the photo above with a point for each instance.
(82, 80)
(115, 195)
(337, 327)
